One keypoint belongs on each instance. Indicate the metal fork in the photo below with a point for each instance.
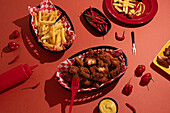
(74, 89)
(133, 44)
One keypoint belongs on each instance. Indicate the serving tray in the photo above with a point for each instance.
(66, 21)
(64, 66)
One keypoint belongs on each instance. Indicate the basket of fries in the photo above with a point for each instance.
(51, 27)
(107, 65)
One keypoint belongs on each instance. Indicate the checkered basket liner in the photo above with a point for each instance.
(48, 6)
(64, 66)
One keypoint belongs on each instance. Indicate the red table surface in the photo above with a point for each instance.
(49, 96)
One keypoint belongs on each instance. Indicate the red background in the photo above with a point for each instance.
(49, 96)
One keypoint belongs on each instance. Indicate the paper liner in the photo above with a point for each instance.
(48, 6)
(64, 66)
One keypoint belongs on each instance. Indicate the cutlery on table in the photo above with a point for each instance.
(133, 44)
(74, 89)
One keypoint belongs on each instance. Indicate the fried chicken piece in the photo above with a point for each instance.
(90, 61)
(162, 62)
(168, 61)
(76, 76)
(115, 72)
(79, 62)
(85, 69)
(167, 51)
(105, 58)
(85, 83)
(115, 61)
(100, 62)
(93, 70)
(95, 84)
(92, 54)
(97, 76)
(85, 75)
(103, 79)
(67, 78)
(73, 70)
(103, 69)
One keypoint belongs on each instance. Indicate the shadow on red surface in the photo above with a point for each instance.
(159, 71)
(32, 46)
(55, 94)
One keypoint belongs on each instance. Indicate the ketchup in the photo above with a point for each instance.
(15, 76)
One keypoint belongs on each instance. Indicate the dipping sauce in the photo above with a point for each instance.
(107, 106)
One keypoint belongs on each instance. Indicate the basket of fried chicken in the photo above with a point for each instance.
(95, 67)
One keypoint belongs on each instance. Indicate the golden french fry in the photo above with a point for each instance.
(39, 16)
(118, 9)
(48, 45)
(124, 5)
(53, 36)
(58, 47)
(58, 39)
(51, 18)
(35, 20)
(116, 4)
(62, 36)
(44, 41)
(47, 22)
(45, 37)
(50, 35)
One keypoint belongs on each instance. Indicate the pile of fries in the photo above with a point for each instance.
(122, 6)
(52, 36)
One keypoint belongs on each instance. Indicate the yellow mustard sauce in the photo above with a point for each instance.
(107, 106)
(141, 9)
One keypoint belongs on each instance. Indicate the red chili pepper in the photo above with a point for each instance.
(120, 38)
(105, 27)
(131, 107)
(13, 45)
(15, 58)
(127, 89)
(96, 19)
(16, 34)
(91, 11)
(139, 70)
(98, 15)
(88, 13)
(145, 79)
(94, 25)
(93, 19)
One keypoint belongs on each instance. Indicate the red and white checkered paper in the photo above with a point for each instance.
(64, 66)
(48, 6)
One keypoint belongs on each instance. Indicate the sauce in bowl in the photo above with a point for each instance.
(108, 105)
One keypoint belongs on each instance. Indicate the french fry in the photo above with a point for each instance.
(52, 36)
(39, 16)
(35, 20)
(116, 4)
(124, 5)
(117, 8)
(58, 39)
(62, 36)
(45, 37)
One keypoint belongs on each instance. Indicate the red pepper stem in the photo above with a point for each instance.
(140, 66)
(129, 81)
(123, 33)
(19, 52)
